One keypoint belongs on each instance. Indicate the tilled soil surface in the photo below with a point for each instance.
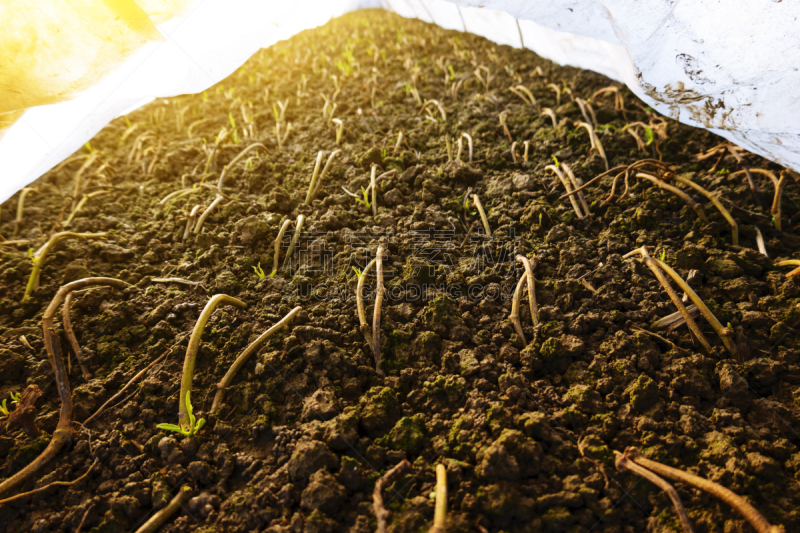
(527, 433)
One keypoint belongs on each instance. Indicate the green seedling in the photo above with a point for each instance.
(555, 159)
(365, 202)
(259, 271)
(15, 397)
(357, 271)
(194, 424)
(466, 208)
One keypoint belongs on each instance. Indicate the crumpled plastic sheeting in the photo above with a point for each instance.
(728, 67)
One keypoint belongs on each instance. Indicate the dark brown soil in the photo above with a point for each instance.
(308, 425)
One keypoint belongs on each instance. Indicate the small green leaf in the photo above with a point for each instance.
(648, 132)
(556, 160)
(171, 427)
(200, 424)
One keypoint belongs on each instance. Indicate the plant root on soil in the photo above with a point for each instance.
(381, 513)
(161, 516)
(718, 491)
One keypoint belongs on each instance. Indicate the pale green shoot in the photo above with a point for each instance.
(260, 271)
(194, 424)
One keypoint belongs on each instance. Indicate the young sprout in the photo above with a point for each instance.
(374, 190)
(63, 432)
(568, 187)
(279, 117)
(666, 186)
(194, 424)
(525, 154)
(361, 307)
(459, 150)
(576, 183)
(720, 150)
(528, 279)
(449, 147)
(469, 144)
(298, 228)
(585, 106)
(223, 134)
(762, 248)
(438, 105)
(179, 193)
(485, 220)
(21, 203)
(191, 220)
(595, 141)
(364, 120)
(749, 513)
(502, 117)
(277, 244)
(89, 162)
(623, 463)
(282, 139)
(225, 382)
(219, 197)
(524, 94)
(339, 130)
(557, 91)
(185, 422)
(549, 112)
(259, 271)
(714, 200)
(618, 103)
(41, 254)
(376, 313)
(440, 509)
(791, 262)
(84, 199)
(397, 144)
(514, 156)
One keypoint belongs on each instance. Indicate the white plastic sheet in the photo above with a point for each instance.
(729, 67)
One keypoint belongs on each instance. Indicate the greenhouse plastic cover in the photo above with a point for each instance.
(69, 68)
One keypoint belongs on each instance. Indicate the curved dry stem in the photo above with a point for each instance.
(324, 173)
(178, 194)
(192, 349)
(397, 144)
(460, 149)
(762, 247)
(381, 513)
(469, 144)
(376, 312)
(81, 203)
(63, 433)
(568, 188)
(595, 141)
(790, 262)
(531, 287)
(485, 220)
(674, 190)
(623, 463)
(66, 322)
(191, 220)
(576, 185)
(21, 202)
(586, 111)
(236, 159)
(726, 334)
(654, 267)
(298, 228)
(525, 153)
(372, 184)
(362, 313)
(339, 130)
(200, 221)
(41, 254)
(514, 316)
(550, 113)
(440, 509)
(277, 244)
(225, 382)
(438, 105)
(155, 521)
(557, 91)
(718, 491)
(721, 208)
(314, 175)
